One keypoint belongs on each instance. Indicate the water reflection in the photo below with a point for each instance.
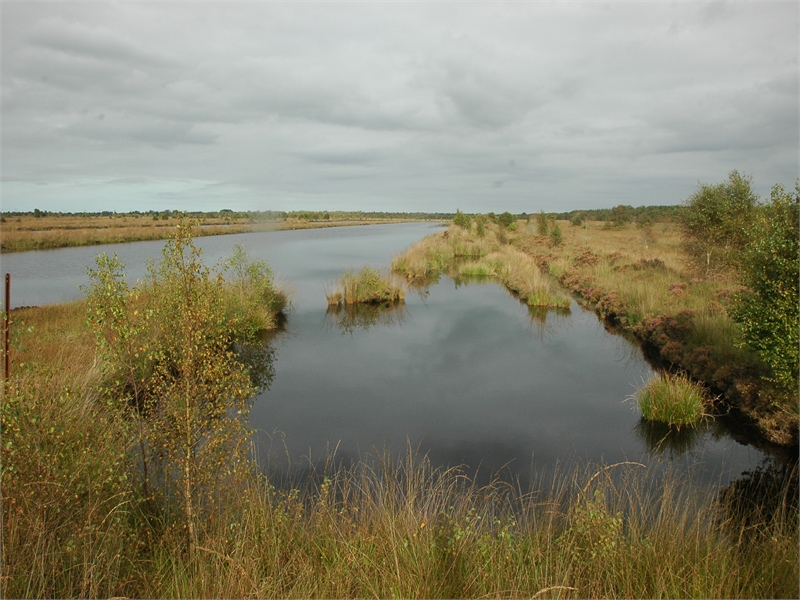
(662, 439)
(761, 496)
(258, 358)
(351, 317)
(547, 320)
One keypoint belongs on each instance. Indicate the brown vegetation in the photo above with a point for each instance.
(18, 234)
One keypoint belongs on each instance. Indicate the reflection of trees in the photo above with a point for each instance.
(661, 438)
(765, 496)
(258, 358)
(349, 317)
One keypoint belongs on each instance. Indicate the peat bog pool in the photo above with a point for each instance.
(464, 374)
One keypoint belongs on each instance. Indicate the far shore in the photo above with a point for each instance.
(25, 233)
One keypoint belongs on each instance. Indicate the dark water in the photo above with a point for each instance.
(465, 373)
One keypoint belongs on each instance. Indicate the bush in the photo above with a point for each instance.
(542, 224)
(462, 220)
(556, 236)
(768, 310)
(715, 222)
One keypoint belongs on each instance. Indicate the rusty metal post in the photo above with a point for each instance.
(7, 328)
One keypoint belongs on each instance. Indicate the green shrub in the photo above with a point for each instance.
(462, 220)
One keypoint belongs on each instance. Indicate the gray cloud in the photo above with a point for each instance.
(393, 106)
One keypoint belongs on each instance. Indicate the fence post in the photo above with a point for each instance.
(7, 328)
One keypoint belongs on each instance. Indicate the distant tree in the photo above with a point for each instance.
(542, 224)
(576, 220)
(621, 215)
(462, 219)
(480, 225)
(770, 267)
(506, 220)
(555, 235)
(714, 222)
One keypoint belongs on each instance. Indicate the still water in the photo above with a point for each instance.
(463, 373)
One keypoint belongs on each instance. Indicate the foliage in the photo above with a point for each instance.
(542, 223)
(555, 235)
(768, 310)
(714, 222)
(462, 220)
(621, 215)
(506, 220)
(576, 220)
(480, 225)
(166, 350)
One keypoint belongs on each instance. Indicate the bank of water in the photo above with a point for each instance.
(463, 373)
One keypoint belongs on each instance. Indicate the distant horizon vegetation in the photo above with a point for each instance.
(656, 213)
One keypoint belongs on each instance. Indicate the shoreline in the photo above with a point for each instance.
(53, 238)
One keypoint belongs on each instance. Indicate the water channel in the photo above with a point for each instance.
(463, 373)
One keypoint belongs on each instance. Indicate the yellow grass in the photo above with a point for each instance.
(58, 231)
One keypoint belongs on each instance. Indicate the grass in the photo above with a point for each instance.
(672, 399)
(462, 254)
(76, 520)
(77, 523)
(25, 233)
(365, 286)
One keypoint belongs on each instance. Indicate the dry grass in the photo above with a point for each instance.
(461, 253)
(366, 286)
(18, 234)
(75, 524)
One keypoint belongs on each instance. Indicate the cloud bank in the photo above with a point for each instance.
(402, 107)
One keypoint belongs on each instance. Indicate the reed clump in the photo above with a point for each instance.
(672, 399)
(460, 253)
(366, 286)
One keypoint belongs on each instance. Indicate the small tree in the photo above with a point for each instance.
(480, 225)
(768, 311)
(506, 220)
(462, 220)
(555, 235)
(166, 353)
(542, 223)
(621, 215)
(714, 222)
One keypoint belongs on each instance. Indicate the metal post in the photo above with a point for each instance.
(7, 328)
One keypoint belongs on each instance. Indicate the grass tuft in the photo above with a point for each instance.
(365, 286)
(672, 399)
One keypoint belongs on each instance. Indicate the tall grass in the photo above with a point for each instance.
(76, 522)
(366, 286)
(672, 399)
(462, 254)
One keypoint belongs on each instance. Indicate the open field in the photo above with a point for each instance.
(26, 232)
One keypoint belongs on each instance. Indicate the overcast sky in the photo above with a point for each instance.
(489, 106)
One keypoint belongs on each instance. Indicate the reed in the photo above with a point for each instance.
(365, 286)
(485, 257)
(672, 399)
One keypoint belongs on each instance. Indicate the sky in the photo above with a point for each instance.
(393, 106)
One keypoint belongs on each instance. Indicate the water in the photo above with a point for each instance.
(464, 373)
